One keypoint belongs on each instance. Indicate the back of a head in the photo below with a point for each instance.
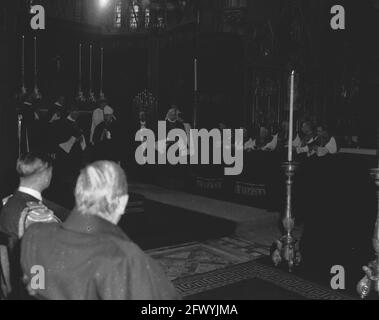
(32, 164)
(98, 189)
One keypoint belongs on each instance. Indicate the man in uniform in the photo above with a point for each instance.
(35, 172)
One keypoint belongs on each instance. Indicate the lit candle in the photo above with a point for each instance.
(196, 75)
(290, 135)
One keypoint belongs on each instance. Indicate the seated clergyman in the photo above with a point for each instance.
(302, 144)
(264, 142)
(27, 204)
(88, 256)
(323, 144)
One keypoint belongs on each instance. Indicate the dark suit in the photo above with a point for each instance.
(11, 212)
(88, 258)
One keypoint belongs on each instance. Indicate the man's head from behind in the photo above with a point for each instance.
(102, 190)
(35, 171)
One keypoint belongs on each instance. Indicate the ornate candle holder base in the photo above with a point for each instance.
(287, 248)
(371, 279)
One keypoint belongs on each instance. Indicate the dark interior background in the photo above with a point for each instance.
(237, 42)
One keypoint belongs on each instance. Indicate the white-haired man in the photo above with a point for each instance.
(88, 256)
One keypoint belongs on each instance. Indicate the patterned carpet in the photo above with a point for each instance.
(200, 270)
(205, 286)
(197, 258)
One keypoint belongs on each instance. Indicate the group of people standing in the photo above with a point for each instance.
(60, 132)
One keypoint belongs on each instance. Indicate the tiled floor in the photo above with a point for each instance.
(198, 258)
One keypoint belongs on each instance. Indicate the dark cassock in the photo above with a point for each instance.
(106, 139)
(56, 111)
(70, 145)
(89, 258)
(15, 204)
(139, 125)
(30, 127)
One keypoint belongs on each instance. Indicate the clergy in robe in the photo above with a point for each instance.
(35, 172)
(29, 125)
(324, 144)
(88, 257)
(264, 142)
(98, 116)
(302, 144)
(106, 139)
(57, 110)
(70, 144)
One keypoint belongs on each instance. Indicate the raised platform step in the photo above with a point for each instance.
(240, 214)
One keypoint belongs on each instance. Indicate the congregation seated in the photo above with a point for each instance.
(27, 205)
(264, 142)
(311, 144)
(281, 136)
(88, 257)
(304, 139)
(323, 144)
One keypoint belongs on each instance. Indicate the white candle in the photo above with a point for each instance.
(195, 74)
(290, 135)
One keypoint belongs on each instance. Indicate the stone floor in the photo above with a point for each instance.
(255, 225)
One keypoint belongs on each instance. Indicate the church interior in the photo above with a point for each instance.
(289, 86)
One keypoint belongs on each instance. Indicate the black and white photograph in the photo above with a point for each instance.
(197, 152)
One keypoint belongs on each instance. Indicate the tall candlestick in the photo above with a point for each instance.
(290, 134)
(35, 62)
(195, 75)
(19, 134)
(90, 68)
(37, 94)
(80, 67)
(101, 71)
(23, 62)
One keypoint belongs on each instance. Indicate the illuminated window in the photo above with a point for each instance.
(134, 12)
(118, 15)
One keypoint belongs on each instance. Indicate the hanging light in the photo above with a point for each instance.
(104, 3)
